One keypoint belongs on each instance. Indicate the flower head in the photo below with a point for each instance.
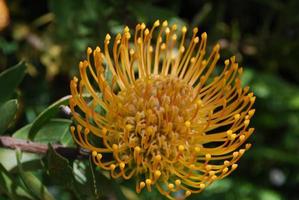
(165, 117)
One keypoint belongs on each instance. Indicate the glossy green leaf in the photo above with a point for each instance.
(46, 115)
(55, 130)
(109, 186)
(8, 111)
(33, 184)
(59, 169)
(10, 186)
(9, 161)
(10, 79)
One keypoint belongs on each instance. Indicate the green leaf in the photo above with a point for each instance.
(46, 115)
(8, 111)
(59, 169)
(94, 184)
(32, 183)
(10, 79)
(9, 161)
(111, 186)
(11, 187)
(55, 130)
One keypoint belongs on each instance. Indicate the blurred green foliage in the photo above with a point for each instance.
(52, 36)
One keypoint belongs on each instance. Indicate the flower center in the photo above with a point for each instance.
(160, 115)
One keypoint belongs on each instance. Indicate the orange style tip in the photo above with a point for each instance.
(157, 23)
(72, 129)
(94, 153)
(142, 26)
(217, 47)
(89, 50)
(178, 182)
(126, 29)
(226, 62)
(233, 59)
(234, 166)
(251, 112)
(204, 35)
(158, 157)
(208, 156)
(98, 50)
(235, 154)
(237, 116)
(137, 149)
(146, 32)
(104, 131)
(129, 127)
(170, 186)
(142, 184)
(115, 147)
(75, 79)
(187, 124)
(252, 99)
(242, 151)
(247, 146)
(242, 137)
(182, 49)
(99, 156)
(246, 122)
(148, 181)
(79, 128)
(226, 163)
(139, 40)
(81, 64)
(229, 132)
(187, 193)
(132, 51)
(225, 170)
(112, 167)
(197, 149)
(174, 27)
(122, 165)
(196, 40)
(195, 30)
(167, 30)
(86, 131)
(232, 136)
(199, 102)
(165, 23)
(174, 37)
(202, 186)
(157, 173)
(181, 148)
(184, 29)
(108, 37)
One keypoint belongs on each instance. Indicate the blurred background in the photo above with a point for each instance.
(52, 37)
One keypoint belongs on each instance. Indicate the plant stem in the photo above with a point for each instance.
(39, 148)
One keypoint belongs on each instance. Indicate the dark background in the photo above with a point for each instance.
(263, 34)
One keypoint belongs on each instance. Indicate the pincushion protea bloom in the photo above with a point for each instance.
(166, 118)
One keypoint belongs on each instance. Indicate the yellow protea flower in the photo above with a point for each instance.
(166, 118)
